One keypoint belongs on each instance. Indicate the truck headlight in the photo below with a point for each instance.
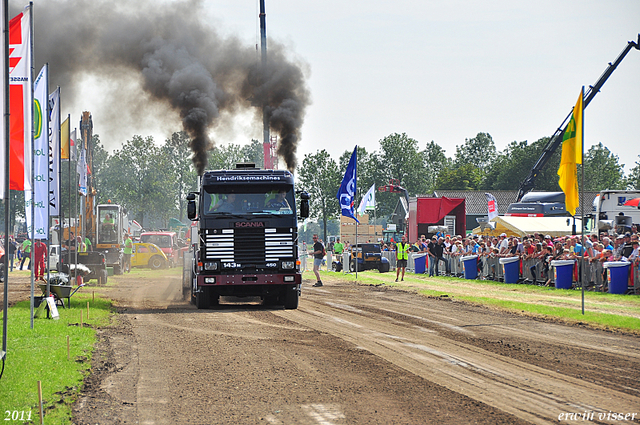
(288, 265)
(212, 265)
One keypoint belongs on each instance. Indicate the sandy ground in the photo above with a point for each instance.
(349, 354)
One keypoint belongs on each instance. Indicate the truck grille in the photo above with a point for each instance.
(249, 246)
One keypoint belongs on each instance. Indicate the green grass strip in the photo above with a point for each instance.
(40, 354)
(528, 298)
(571, 314)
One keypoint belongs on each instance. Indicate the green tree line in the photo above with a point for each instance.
(476, 165)
(151, 180)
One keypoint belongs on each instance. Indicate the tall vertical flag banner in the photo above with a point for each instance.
(73, 147)
(81, 168)
(20, 99)
(40, 158)
(572, 155)
(368, 200)
(347, 192)
(492, 206)
(54, 153)
(65, 148)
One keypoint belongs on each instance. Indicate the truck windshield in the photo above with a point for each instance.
(243, 200)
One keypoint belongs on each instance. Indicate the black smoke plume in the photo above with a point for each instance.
(178, 60)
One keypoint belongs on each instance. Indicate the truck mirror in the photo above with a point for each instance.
(191, 209)
(304, 208)
(191, 197)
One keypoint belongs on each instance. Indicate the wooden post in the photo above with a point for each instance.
(40, 402)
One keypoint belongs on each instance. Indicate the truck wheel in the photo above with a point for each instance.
(383, 268)
(156, 262)
(117, 269)
(291, 297)
(203, 298)
(352, 266)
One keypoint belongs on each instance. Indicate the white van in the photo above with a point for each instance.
(54, 256)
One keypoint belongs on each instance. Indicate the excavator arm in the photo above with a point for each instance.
(556, 139)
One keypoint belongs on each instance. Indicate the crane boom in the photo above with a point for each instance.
(556, 139)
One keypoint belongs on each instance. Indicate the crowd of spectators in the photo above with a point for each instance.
(537, 246)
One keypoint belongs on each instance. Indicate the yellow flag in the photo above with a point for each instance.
(64, 139)
(572, 155)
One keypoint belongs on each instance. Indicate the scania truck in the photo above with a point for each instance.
(246, 238)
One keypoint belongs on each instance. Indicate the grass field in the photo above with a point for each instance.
(40, 354)
(601, 309)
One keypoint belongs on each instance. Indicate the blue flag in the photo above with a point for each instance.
(347, 192)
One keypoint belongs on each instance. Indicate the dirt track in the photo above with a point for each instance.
(349, 354)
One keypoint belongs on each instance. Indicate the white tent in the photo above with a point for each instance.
(521, 226)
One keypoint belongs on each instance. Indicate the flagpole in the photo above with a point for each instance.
(47, 117)
(76, 201)
(59, 183)
(7, 174)
(582, 193)
(69, 203)
(356, 260)
(33, 236)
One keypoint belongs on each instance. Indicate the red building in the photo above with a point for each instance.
(425, 212)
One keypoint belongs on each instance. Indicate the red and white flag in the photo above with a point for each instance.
(20, 100)
(492, 206)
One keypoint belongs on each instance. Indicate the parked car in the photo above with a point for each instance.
(148, 255)
(167, 241)
(368, 256)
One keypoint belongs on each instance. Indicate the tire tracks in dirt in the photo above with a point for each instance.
(527, 391)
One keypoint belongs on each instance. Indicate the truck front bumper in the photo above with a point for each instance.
(250, 279)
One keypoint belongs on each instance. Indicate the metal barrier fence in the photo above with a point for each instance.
(531, 271)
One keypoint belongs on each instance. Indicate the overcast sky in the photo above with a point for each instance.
(447, 70)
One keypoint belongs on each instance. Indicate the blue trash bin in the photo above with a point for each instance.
(511, 269)
(419, 263)
(470, 266)
(618, 276)
(563, 272)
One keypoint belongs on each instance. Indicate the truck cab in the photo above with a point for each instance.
(110, 228)
(246, 243)
(539, 204)
(610, 214)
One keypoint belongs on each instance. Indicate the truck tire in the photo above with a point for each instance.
(336, 266)
(156, 262)
(117, 269)
(383, 268)
(291, 297)
(203, 299)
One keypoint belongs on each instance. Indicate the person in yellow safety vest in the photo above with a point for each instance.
(82, 247)
(128, 250)
(402, 249)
